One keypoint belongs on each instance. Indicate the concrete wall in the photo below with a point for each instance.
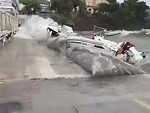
(94, 3)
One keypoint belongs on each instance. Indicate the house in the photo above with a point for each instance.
(91, 4)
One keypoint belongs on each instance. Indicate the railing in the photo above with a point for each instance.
(8, 26)
(8, 22)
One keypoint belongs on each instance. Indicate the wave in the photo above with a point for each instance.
(146, 67)
(35, 28)
(147, 31)
(125, 33)
(96, 64)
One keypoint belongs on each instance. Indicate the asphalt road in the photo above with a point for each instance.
(124, 94)
(22, 62)
(24, 58)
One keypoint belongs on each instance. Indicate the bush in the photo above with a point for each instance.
(32, 4)
(147, 26)
(62, 20)
(82, 9)
(129, 15)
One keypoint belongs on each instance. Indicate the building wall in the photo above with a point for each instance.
(94, 2)
(91, 4)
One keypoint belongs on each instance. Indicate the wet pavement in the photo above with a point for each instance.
(124, 94)
(21, 60)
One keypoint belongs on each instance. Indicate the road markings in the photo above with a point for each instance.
(143, 104)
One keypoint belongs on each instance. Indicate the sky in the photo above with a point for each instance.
(147, 1)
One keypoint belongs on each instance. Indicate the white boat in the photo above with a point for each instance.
(98, 44)
(131, 55)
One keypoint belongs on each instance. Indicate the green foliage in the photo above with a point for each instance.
(147, 26)
(66, 6)
(75, 3)
(130, 14)
(62, 6)
(64, 9)
(62, 20)
(82, 8)
(31, 4)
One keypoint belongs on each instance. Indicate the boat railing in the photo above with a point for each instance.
(99, 31)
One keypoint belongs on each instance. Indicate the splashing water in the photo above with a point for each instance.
(97, 64)
(35, 28)
(125, 33)
(98, 67)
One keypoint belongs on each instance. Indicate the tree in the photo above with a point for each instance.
(82, 8)
(135, 13)
(55, 4)
(75, 3)
(131, 14)
(105, 12)
(147, 25)
(32, 5)
(62, 6)
(66, 6)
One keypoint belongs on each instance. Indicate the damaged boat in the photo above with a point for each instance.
(66, 38)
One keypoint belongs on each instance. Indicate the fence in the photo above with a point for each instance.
(8, 26)
(8, 22)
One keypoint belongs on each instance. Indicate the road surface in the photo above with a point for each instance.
(22, 59)
(128, 94)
